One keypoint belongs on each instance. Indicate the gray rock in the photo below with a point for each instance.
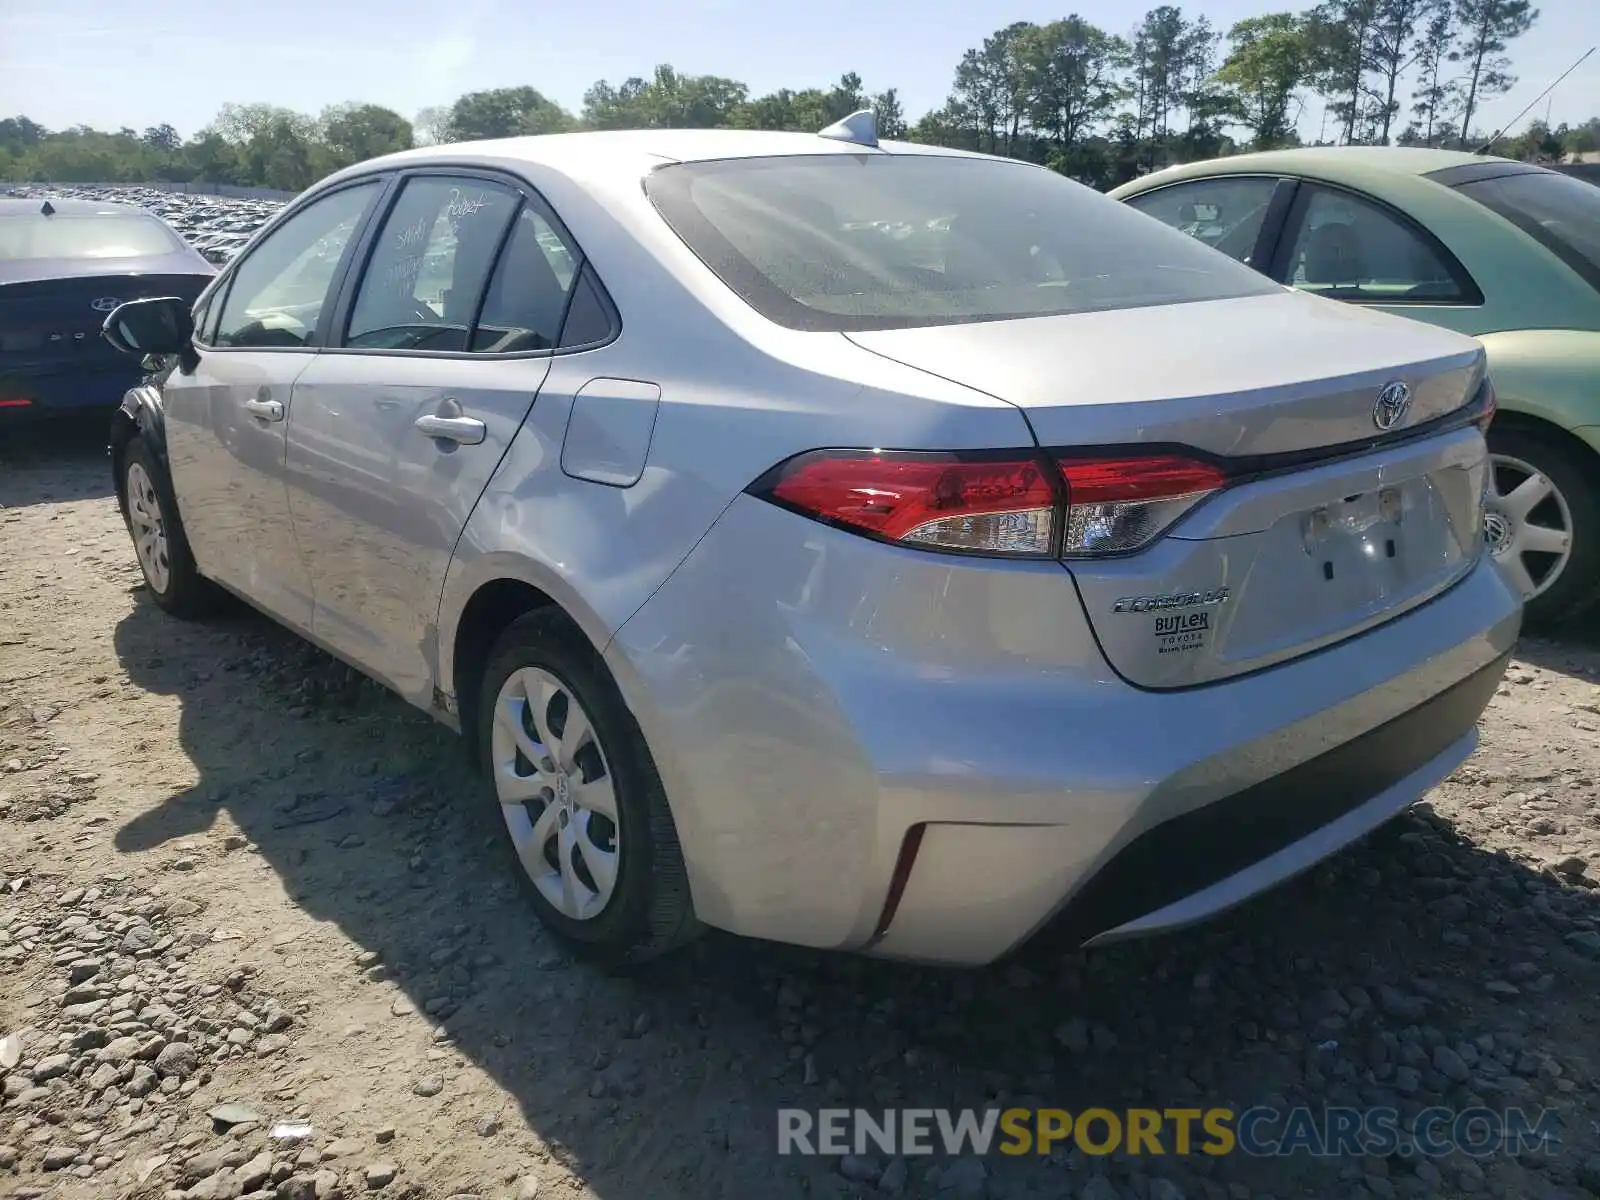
(224, 1185)
(225, 1116)
(431, 1086)
(1451, 1065)
(105, 1075)
(380, 1174)
(119, 1050)
(178, 1059)
(53, 1067)
(1073, 1035)
(1585, 940)
(83, 969)
(1399, 1005)
(528, 1188)
(895, 1177)
(964, 1177)
(860, 1168)
(58, 1158)
(255, 1172)
(142, 1083)
(1165, 1189)
(1098, 1187)
(298, 1187)
(210, 1162)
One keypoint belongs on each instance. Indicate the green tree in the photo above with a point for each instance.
(1434, 93)
(666, 101)
(1488, 27)
(1339, 31)
(431, 125)
(1074, 85)
(890, 116)
(162, 137)
(1270, 60)
(993, 85)
(1391, 50)
(353, 133)
(506, 112)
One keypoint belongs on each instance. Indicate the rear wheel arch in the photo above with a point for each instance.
(138, 417)
(487, 614)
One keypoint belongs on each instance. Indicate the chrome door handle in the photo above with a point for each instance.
(468, 431)
(267, 410)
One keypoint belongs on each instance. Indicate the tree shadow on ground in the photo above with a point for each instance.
(1337, 989)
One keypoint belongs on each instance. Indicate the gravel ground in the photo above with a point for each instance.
(240, 887)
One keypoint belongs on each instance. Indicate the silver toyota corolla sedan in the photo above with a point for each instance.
(874, 547)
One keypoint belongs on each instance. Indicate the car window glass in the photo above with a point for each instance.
(108, 234)
(528, 294)
(1558, 210)
(834, 242)
(429, 264)
(588, 317)
(1225, 214)
(1348, 248)
(277, 293)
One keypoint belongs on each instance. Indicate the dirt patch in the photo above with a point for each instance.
(257, 939)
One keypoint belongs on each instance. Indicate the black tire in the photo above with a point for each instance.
(185, 593)
(650, 911)
(1578, 479)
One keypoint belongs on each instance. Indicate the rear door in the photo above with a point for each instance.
(226, 420)
(443, 339)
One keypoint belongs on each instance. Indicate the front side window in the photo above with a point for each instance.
(33, 236)
(1226, 214)
(277, 293)
(1348, 248)
(843, 241)
(1561, 212)
(429, 264)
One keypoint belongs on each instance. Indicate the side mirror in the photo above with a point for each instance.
(157, 325)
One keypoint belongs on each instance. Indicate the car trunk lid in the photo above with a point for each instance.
(1330, 523)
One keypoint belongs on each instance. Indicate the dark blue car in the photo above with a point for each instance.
(64, 265)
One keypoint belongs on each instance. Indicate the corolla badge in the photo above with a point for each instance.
(104, 304)
(1392, 405)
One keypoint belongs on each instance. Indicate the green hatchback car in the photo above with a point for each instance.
(1505, 251)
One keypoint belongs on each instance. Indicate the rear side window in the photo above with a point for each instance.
(1557, 210)
(527, 296)
(98, 235)
(844, 241)
(1348, 248)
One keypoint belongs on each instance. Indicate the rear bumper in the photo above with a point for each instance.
(813, 699)
(66, 389)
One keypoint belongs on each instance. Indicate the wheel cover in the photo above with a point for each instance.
(1527, 524)
(149, 528)
(556, 792)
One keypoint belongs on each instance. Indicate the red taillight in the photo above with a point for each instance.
(15, 403)
(942, 501)
(995, 504)
(1119, 504)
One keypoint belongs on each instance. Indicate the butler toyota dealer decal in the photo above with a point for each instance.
(1177, 631)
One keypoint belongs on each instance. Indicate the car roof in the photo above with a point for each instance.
(598, 154)
(1332, 162)
(11, 206)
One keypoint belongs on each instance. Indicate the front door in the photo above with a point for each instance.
(226, 420)
(442, 344)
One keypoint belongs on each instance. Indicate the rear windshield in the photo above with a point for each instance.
(1558, 210)
(92, 235)
(841, 242)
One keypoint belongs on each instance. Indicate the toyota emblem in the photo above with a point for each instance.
(1393, 403)
(104, 304)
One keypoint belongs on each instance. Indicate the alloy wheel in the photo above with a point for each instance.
(149, 527)
(556, 793)
(1527, 524)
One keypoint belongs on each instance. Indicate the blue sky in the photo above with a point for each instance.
(112, 63)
